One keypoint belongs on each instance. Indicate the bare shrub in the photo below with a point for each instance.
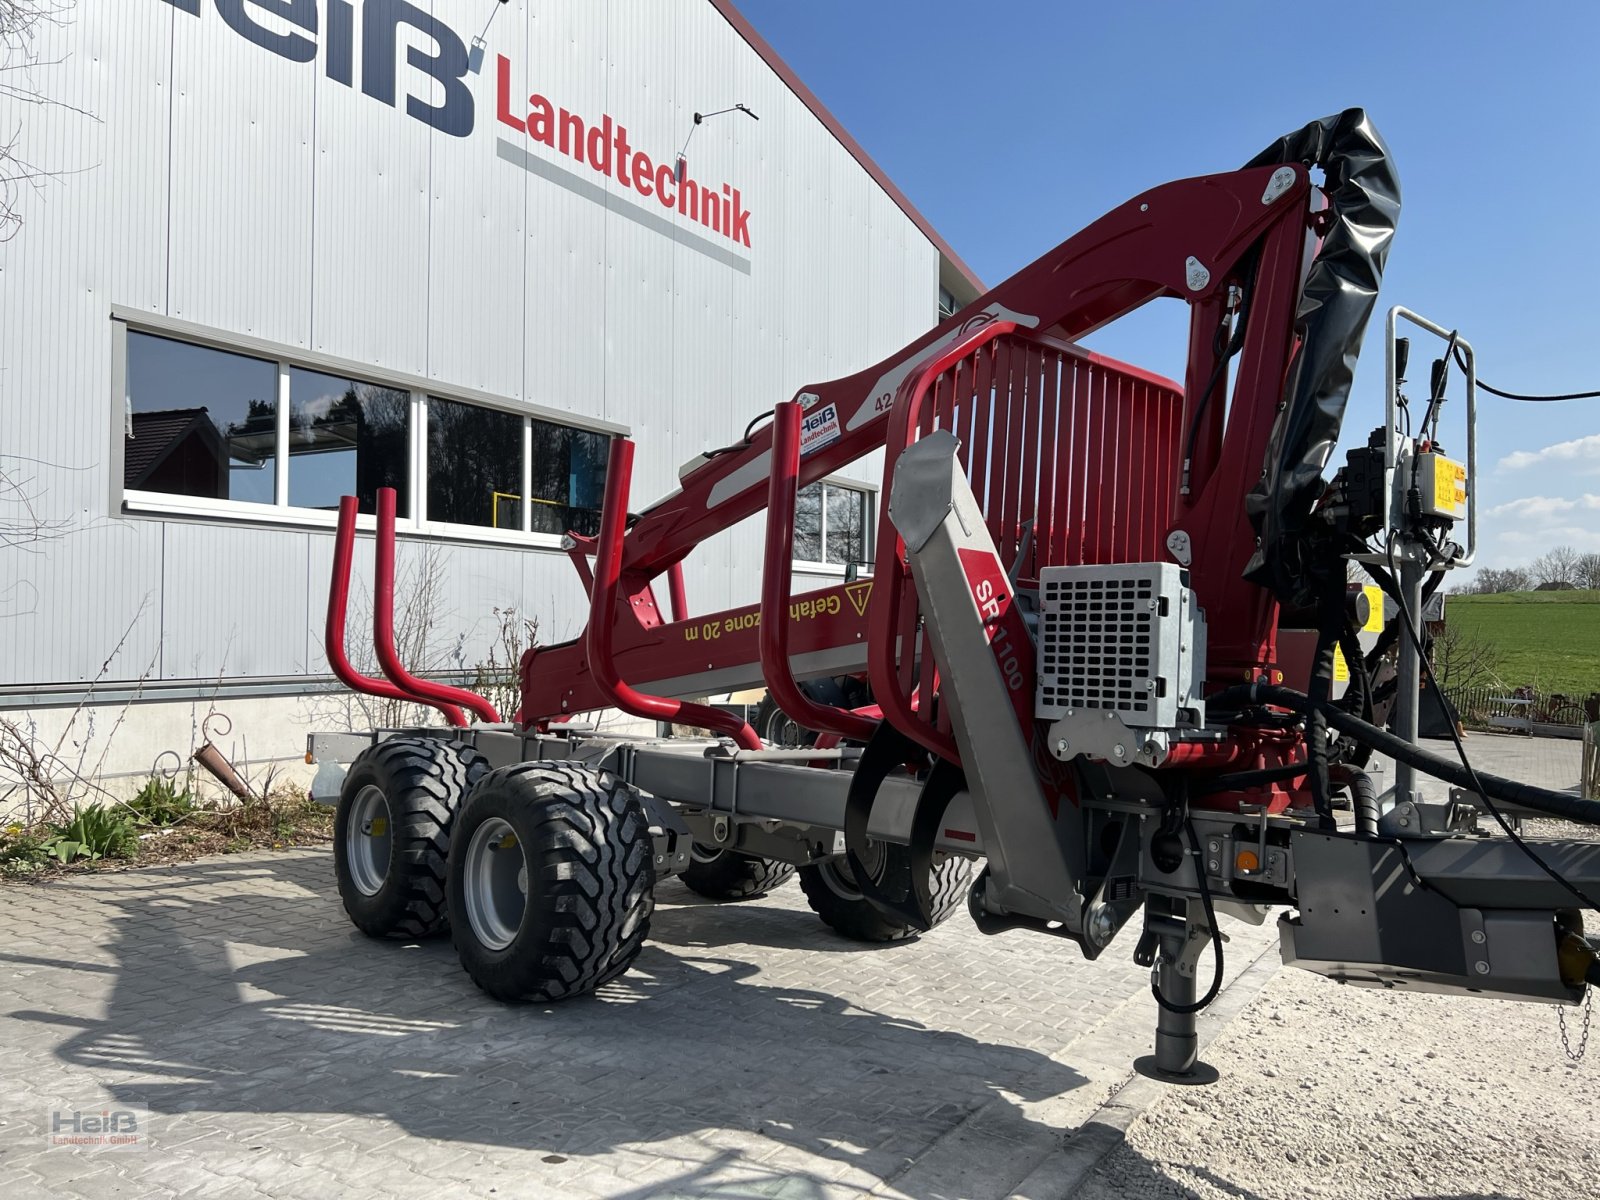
(49, 778)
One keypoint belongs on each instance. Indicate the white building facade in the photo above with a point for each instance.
(293, 249)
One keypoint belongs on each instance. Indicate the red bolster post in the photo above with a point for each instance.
(338, 605)
(678, 598)
(776, 578)
(603, 616)
(422, 690)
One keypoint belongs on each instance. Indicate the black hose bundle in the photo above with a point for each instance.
(1544, 800)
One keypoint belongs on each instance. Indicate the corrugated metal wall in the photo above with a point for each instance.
(219, 183)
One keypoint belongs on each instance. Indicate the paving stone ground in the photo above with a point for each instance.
(750, 1053)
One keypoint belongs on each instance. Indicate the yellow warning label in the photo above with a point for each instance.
(1374, 609)
(1449, 486)
(1341, 669)
(859, 594)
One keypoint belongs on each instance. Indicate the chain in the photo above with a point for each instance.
(1583, 1041)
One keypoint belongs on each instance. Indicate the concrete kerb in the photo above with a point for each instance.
(1062, 1174)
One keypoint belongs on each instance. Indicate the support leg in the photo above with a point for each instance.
(1176, 1057)
(1177, 1041)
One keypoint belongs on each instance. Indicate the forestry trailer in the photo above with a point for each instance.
(1107, 650)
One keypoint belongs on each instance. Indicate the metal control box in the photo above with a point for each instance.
(1121, 655)
(1443, 484)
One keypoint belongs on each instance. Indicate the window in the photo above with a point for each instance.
(474, 465)
(346, 438)
(200, 422)
(569, 478)
(475, 470)
(830, 524)
(207, 428)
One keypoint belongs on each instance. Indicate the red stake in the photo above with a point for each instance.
(339, 603)
(603, 616)
(776, 577)
(422, 690)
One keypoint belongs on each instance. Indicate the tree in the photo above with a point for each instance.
(1587, 571)
(1485, 583)
(1492, 580)
(1557, 565)
(1463, 661)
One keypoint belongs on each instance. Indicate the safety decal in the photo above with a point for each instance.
(859, 594)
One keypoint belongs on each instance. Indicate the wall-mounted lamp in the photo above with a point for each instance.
(683, 162)
(479, 46)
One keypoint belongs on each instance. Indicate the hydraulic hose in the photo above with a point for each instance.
(1544, 800)
(1239, 780)
(1363, 795)
(1331, 625)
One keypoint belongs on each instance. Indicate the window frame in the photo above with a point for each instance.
(123, 500)
(869, 529)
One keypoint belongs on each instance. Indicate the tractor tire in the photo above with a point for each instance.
(551, 882)
(391, 833)
(730, 875)
(832, 893)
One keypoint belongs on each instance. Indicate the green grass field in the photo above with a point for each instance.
(1550, 640)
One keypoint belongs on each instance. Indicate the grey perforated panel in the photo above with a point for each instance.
(1113, 639)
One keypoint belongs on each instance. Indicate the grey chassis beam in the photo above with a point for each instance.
(778, 785)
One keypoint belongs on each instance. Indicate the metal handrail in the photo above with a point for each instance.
(776, 580)
(1391, 393)
(422, 690)
(603, 617)
(338, 605)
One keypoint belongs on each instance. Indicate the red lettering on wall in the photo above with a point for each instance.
(503, 97)
(604, 147)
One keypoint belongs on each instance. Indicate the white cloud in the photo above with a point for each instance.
(1543, 508)
(1579, 450)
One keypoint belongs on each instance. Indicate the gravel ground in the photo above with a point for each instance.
(1338, 1092)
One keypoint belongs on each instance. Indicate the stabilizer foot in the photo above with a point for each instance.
(1197, 1075)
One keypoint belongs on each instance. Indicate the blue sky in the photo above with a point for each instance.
(1012, 126)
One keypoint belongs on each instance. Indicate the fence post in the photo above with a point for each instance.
(1590, 785)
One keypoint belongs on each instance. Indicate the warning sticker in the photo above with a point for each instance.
(818, 428)
(1449, 487)
(859, 594)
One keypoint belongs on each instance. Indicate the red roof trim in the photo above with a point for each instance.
(759, 44)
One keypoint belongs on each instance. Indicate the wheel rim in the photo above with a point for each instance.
(783, 731)
(841, 880)
(704, 854)
(369, 840)
(495, 875)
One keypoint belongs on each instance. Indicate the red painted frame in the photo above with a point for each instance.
(1086, 449)
(1136, 253)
